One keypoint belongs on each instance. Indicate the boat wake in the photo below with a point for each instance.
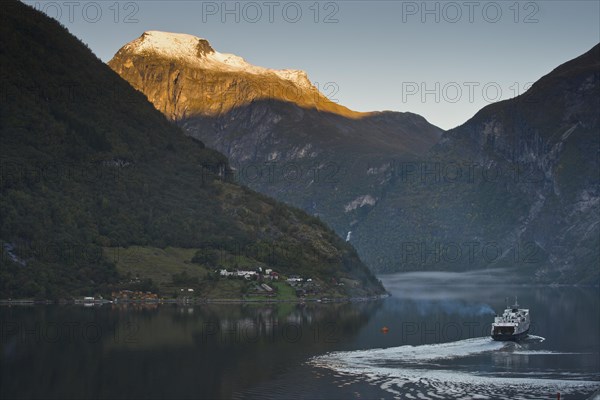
(545, 353)
(534, 338)
(429, 352)
(407, 371)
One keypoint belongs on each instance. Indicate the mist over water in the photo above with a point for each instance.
(445, 285)
(449, 292)
(425, 307)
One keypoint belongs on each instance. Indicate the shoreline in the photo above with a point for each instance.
(29, 302)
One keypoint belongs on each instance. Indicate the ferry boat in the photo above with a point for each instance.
(513, 324)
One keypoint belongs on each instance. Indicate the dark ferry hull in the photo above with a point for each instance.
(505, 337)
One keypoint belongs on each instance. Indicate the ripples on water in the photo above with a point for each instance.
(412, 372)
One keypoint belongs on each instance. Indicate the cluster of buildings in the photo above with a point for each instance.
(294, 280)
(303, 286)
(250, 274)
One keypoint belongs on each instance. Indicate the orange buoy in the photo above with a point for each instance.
(385, 329)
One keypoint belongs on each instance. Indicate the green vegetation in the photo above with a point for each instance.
(88, 165)
(284, 291)
(157, 264)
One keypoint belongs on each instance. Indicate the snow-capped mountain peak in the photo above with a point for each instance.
(173, 45)
(199, 53)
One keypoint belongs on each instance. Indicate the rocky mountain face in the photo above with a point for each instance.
(547, 142)
(317, 161)
(515, 186)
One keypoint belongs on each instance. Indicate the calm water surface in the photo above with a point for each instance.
(436, 347)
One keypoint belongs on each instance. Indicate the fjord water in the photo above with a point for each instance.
(437, 346)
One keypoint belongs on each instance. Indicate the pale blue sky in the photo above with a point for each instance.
(379, 55)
